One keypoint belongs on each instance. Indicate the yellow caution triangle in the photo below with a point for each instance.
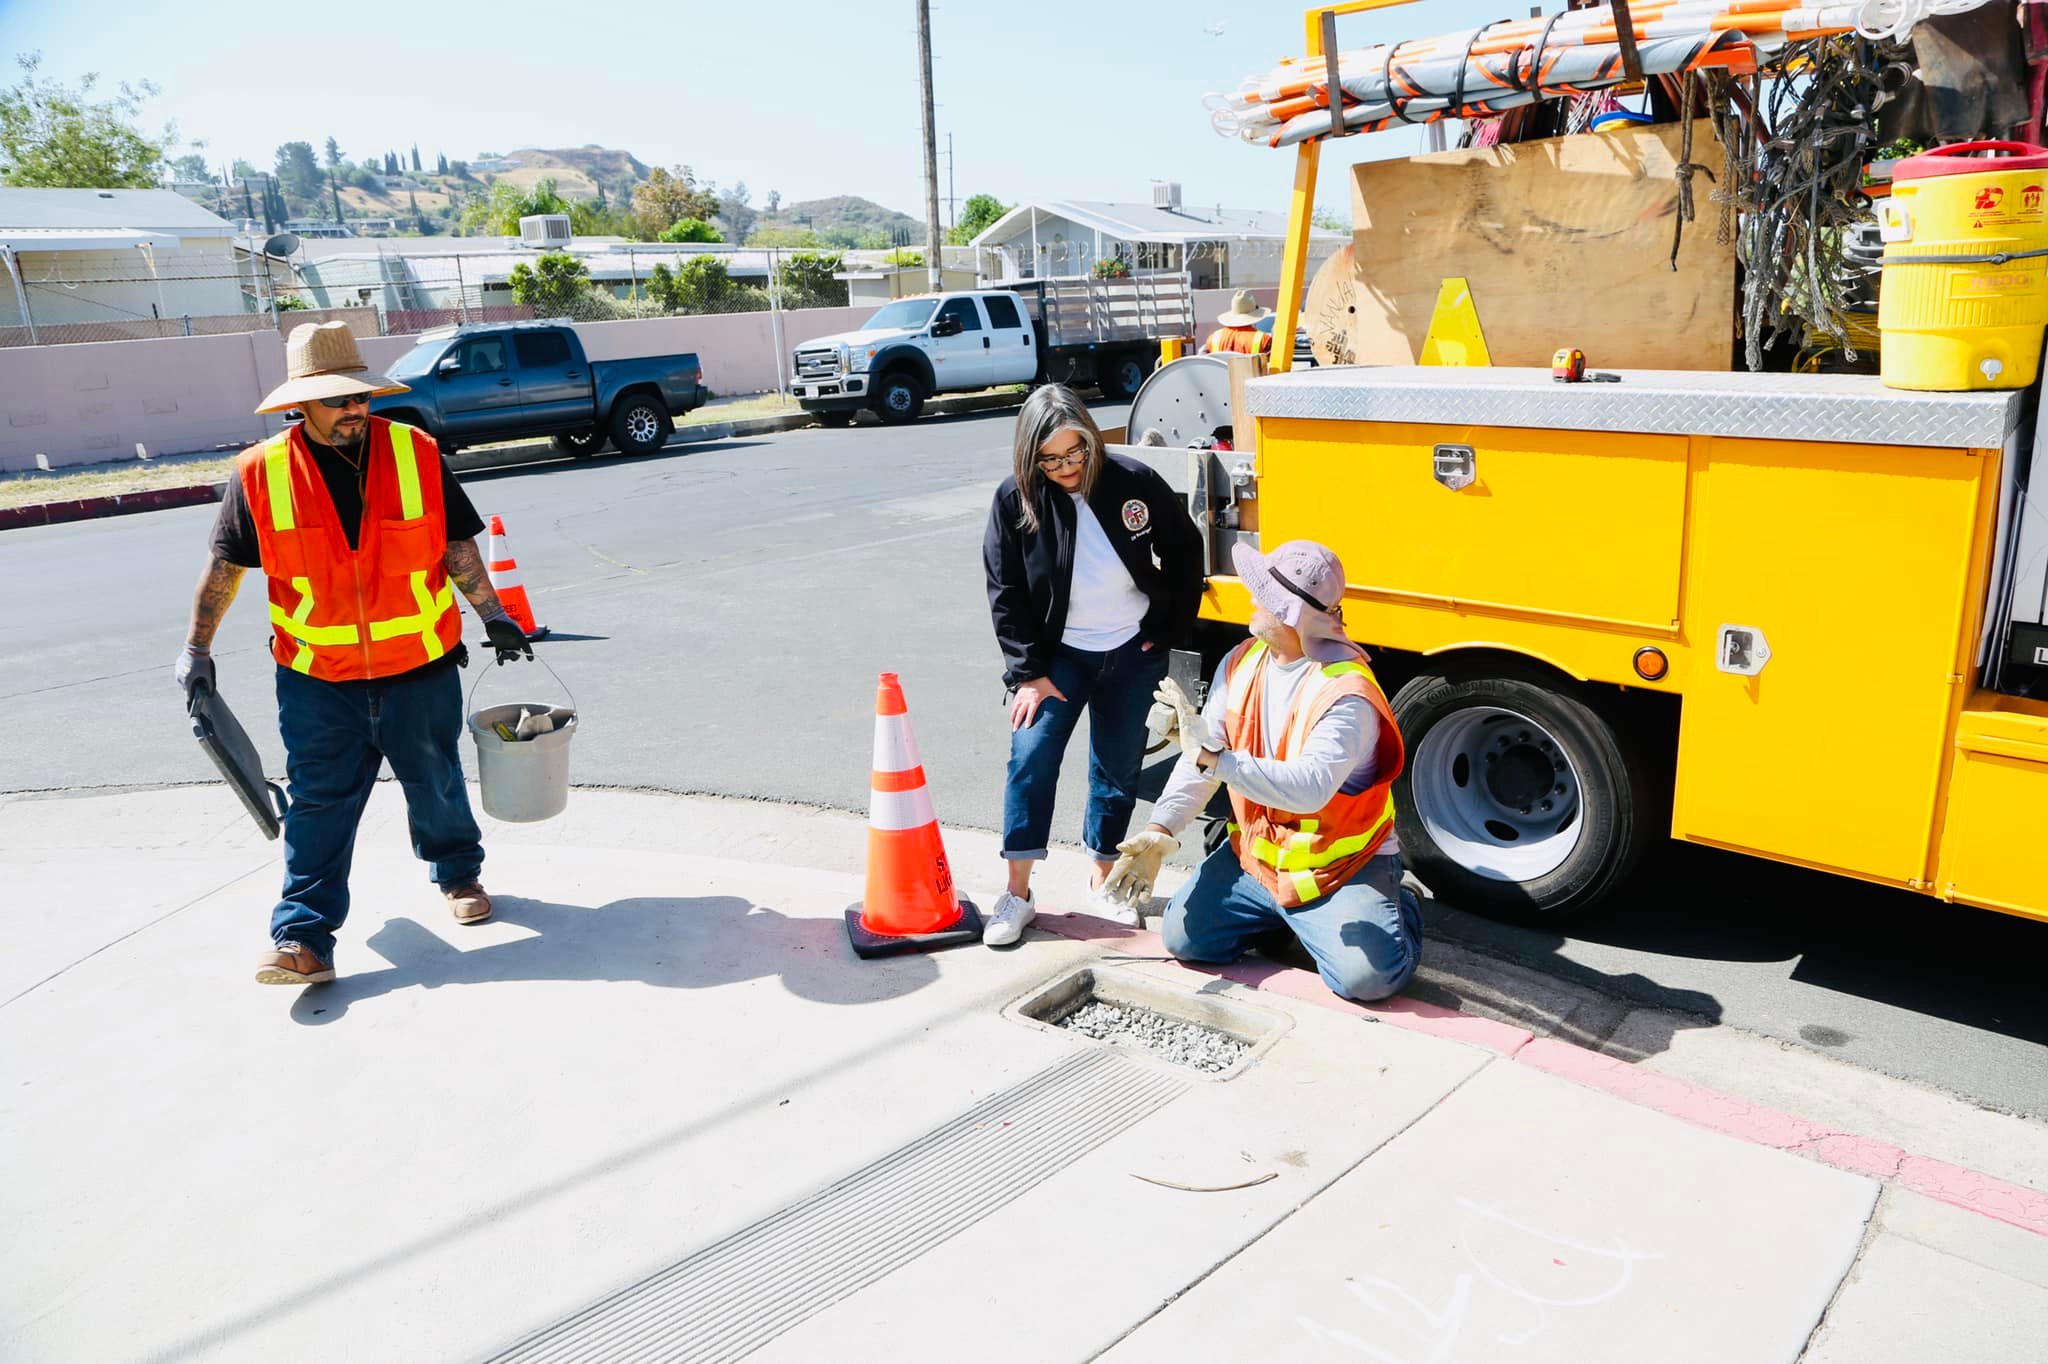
(1455, 336)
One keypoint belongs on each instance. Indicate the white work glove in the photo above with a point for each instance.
(1190, 727)
(1162, 722)
(1137, 867)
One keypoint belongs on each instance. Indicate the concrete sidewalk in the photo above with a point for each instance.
(657, 1110)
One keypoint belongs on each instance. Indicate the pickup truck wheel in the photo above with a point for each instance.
(1123, 375)
(1518, 800)
(579, 444)
(899, 398)
(640, 425)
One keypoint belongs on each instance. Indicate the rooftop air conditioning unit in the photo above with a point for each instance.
(544, 230)
(1166, 195)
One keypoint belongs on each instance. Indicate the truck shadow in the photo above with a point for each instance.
(547, 462)
(679, 943)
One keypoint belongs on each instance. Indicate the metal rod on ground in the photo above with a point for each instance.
(931, 149)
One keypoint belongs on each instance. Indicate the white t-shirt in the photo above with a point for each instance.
(1104, 605)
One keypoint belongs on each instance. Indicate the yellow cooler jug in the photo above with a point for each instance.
(1964, 294)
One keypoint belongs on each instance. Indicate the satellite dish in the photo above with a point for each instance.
(283, 244)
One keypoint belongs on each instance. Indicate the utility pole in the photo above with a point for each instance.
(952, 220)
(932, 256)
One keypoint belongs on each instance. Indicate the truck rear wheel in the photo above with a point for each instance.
(1518, 800)
(640, 424)
(899, 398)
(1123, 374)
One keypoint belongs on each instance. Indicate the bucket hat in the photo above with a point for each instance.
(321, 361)
(1244, 310)
(1302, 583)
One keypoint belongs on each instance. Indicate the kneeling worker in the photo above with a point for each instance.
(1295, 722)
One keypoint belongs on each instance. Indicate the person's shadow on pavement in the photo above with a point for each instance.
(682, 943)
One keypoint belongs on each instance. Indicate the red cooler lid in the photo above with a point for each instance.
(1962, 159)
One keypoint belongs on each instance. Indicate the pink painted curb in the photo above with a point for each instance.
(120, 504)
(1728, 1114)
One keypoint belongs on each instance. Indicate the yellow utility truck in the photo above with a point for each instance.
(1781, 614)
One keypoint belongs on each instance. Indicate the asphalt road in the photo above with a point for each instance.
(720, 612)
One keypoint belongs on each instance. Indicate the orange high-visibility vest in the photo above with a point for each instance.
(1299, 858)
(1238, 341)
(342, 614)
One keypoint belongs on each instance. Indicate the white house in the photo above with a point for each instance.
(1220, 248)
(89, 264)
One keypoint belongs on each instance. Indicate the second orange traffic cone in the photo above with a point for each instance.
(912, 904)
(504, 573)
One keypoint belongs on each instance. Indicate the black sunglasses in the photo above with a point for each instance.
(346, 400)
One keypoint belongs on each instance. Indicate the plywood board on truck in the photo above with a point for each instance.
(1565, 242)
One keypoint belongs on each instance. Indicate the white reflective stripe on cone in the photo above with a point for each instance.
(895, 746)
(896, 811)
(509, 578)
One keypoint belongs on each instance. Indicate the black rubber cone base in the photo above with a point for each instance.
(871, 944)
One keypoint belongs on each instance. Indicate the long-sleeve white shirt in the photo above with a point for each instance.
(1340, 750)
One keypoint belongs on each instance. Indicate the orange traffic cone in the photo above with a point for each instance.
(911, 904)
(504, 573)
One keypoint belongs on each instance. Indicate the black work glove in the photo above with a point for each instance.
(508, 639)
(193, 670)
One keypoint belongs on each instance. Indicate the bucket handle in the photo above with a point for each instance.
(469, 706)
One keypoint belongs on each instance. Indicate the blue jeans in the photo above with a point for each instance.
(336, 736)
(1116, 688)
(1365, 936)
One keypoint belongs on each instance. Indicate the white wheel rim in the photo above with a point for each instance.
(642, 424)
(1497, 794)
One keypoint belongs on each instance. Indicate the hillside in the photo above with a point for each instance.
(846, 217)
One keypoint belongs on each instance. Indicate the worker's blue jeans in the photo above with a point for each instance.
(1116, 688)
(336, 737)
(1365, 936)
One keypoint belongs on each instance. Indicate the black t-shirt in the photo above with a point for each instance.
(234, 530)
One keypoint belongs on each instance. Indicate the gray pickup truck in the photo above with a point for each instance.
(485, 383)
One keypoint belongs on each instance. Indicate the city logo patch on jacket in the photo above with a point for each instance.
(1137, 515)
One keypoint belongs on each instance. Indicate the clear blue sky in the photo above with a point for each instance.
(1055, 99)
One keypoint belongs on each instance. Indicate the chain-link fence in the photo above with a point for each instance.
(62, 297)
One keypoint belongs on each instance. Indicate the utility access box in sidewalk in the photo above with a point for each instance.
(1756, 611)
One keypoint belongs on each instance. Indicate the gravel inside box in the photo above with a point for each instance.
(1187, 1044)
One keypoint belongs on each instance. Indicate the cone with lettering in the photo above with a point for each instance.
(911, 904)
(504, 572)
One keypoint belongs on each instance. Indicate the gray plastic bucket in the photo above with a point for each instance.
(528, 780)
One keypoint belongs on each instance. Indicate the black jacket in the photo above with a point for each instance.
(1029, 573)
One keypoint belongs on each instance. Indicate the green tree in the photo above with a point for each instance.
(661, 287)
(734, 211)
(553, 286)
(669, 197)
(191, 167)
(1322, 217)
(416, 156)
(441, 163)
(776, 234)
(298, 173)
(248, 203)
(52, 137)
(905, 259)
(690, 230)
(335, 190)
(497, 214)
(979, 213)
(333, 153)
(245, 171)
(805, 280)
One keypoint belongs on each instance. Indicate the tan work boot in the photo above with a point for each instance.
(472, 905)
(291, 963)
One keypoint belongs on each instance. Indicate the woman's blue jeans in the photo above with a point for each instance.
(1116, 689)
(336, 737)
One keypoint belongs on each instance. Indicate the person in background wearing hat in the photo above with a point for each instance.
(1237, 331)
(1298, 728)
(359, 527)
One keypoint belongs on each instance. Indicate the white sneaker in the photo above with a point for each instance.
(1007, 920)
(1114, 908)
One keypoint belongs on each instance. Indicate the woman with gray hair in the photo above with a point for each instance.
(1094, 573)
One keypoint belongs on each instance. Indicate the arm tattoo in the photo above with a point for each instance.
(466, 566)
(217, 586)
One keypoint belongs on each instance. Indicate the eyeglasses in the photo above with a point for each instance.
(1077, 455)
(346, 400)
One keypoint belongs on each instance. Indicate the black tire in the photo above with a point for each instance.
(899, 398)
(835, 419)
(1519, 799)
(1122, 374)
(579, 444)
(640, 424)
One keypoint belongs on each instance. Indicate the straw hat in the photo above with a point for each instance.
(1244, 310)
(321, 361)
